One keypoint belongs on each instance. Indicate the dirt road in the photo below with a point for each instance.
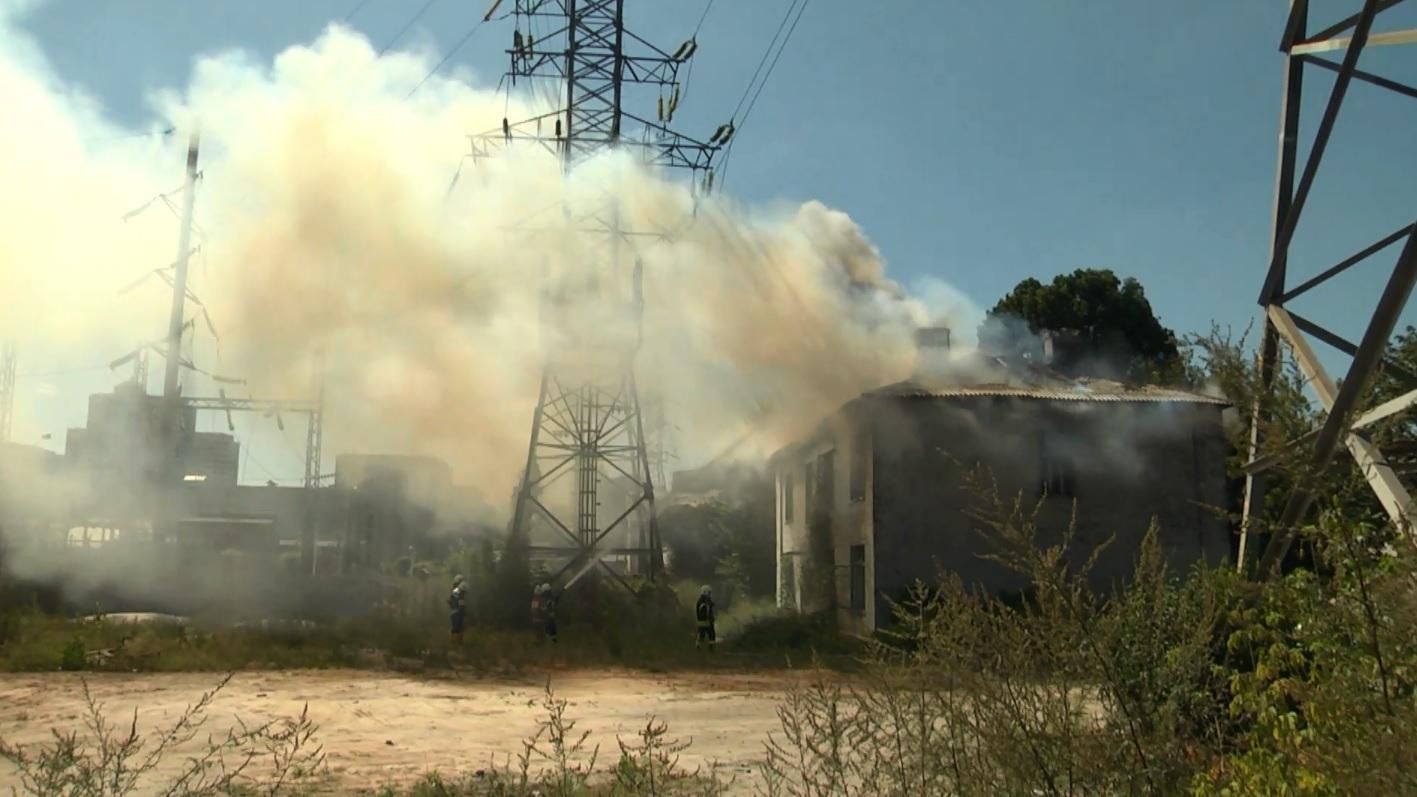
(383, 728)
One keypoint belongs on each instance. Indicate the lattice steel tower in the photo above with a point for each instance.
(1339, 399)
(586, 497)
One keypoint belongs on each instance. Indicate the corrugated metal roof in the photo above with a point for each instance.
(1112, 392)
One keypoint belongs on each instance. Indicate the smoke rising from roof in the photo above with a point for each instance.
(336, 214)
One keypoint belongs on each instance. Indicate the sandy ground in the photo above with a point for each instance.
(382, 728)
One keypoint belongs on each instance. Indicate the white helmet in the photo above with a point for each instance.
(706, 590)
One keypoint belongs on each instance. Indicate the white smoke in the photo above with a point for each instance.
(327, 224)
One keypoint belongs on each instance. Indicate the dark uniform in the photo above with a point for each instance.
(703, 614)
(457, 608)
(543, 610)
(548, 606)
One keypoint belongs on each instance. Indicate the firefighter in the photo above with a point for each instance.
(703, 614)
(543, 610)
(457, 607)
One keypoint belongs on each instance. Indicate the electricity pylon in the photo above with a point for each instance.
(587, 423)
(1303, 49)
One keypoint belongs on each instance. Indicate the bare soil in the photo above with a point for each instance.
(380, 728)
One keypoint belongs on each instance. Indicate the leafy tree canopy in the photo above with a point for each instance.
(1114, 332)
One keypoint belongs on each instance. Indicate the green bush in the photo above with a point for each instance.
(74, 656)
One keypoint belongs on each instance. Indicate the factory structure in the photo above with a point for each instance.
(879, 495)
(107, 490)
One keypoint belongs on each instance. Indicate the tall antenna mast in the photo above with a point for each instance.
(586, 498)
(169, 468)
(314, 457)
(177, 319)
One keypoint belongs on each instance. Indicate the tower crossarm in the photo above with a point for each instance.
(664, 147)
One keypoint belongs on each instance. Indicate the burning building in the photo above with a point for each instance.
(878, 495)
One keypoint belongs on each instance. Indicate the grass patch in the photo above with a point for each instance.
(756, 639)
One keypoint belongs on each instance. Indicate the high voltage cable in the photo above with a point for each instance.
(773, 65)
(359, 6)
(411, 22)
(689, 77)
(451, 52)
(727, 156)
(163, 133)
(766, 53)
(707, 8)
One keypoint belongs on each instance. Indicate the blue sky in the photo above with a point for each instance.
(977, 141)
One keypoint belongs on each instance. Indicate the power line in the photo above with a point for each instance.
(411, 22)
(163, 133)
(139, 209)
(451, 52)
(359, 6)
(728, 155)
(773, 65)
(766, 53)
(689, 77)
(707, 8)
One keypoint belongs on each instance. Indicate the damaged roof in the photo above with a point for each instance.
(1081, 390)
(980, 375)
(984, 375)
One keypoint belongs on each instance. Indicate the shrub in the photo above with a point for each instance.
(111, 760)
(74, 656)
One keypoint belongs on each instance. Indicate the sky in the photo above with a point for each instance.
(977, 142)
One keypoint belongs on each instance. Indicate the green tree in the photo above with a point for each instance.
(1119, 335)
(729, 539)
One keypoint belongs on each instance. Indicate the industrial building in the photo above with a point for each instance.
(881, 485)
(108, 489)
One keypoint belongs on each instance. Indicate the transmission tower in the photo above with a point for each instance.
(660, 440)
(8, 361)
(1302, 49)
(586, 498)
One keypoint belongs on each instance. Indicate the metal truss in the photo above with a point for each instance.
(592, 430)
(585, 54)
(1338, 398)
(314, 412)
(586, 500)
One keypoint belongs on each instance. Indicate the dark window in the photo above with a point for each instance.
(859, 458)
(787, 497)
(826, 480)
(858, 578)
(1059, 474)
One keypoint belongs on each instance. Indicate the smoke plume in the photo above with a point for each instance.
(343, 228)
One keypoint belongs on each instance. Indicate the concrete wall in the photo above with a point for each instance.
(846, 443)
(1126, 462)
(120, 448)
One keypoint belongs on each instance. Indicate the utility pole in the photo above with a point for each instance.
(173, 433)
(140, 370)
(588, 424)
(1341, 426)
(314, 456)
(8, 363)
(177, 319)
